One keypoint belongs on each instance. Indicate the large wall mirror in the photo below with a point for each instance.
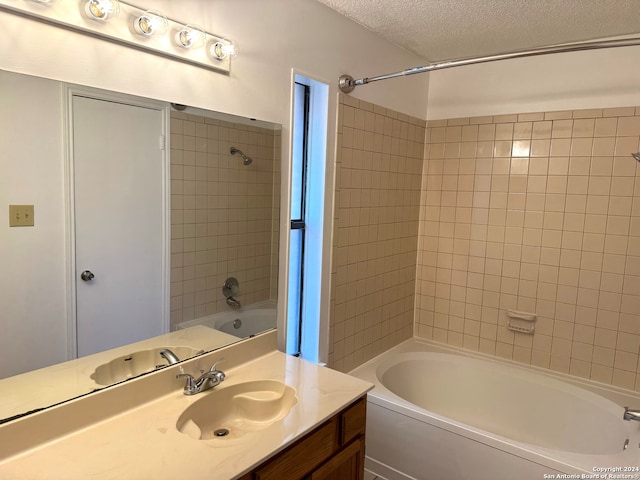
(217, 193)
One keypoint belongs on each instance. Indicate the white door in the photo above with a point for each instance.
(118, 163)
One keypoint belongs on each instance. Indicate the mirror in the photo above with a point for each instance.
(224, 222)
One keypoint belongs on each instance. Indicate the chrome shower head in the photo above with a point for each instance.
(245, 160)
(636, 156)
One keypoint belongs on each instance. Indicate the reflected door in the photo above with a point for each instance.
(118, 163)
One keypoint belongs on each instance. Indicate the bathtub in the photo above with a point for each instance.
(442, 413)
(242, 323)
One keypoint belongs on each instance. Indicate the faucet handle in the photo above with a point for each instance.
(220, 375)
(191, 382)
(215, 365)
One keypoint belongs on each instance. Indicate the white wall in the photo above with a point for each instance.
(275, 36)
(568, 81)
(32, 271)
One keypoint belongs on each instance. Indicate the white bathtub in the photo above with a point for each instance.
(242, 323)
(442, 413)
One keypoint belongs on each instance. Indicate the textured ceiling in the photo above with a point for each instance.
(450, 29)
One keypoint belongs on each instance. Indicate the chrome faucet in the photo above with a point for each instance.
(231, 288)
(233, 303)
(169, 356)
(631, 414)
(206, 381)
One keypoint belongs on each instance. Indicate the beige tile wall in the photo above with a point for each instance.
(224, 215)
(377, 197)
(541, 213)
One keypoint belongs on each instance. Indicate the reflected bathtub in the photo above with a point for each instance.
(242, 323)
(437, 412)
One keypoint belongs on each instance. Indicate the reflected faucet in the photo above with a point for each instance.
(230, 288)
(169, 356)
(631, 414)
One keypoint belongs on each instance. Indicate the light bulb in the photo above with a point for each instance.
(151, 22)
(223, 49)
(190, 36)
(102, 9)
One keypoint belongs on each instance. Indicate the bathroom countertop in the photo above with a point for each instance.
(143, 442)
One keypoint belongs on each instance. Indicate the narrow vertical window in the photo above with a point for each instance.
(309, 152)
(298, 200)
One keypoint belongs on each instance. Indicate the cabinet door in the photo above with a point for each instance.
(349, 463)
(353, 421)
(296, 462)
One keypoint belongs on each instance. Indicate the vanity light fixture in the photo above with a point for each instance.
(223, 49)
(144, 29)
(190, 36)
(102, 9)
(151, 22)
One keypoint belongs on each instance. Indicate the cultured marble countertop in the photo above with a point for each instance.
(143, 442)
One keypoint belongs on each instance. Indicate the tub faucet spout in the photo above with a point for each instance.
(233, 303)
(631, 414)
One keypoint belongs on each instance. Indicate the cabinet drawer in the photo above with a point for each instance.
(353, 421)
(307, 454)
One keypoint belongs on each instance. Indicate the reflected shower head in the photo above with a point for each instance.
(245, 160)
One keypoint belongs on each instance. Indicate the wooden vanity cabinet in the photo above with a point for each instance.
(332, 451)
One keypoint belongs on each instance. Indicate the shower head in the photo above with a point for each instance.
(636, 156)
(245, 160)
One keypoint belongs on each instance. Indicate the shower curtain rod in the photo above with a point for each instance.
(347, 83)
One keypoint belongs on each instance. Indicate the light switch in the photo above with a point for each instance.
(21, 216)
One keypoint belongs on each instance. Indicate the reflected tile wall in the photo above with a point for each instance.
(377, 195)
(224, 215)
(541, 213)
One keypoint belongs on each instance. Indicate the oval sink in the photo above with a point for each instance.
(136, 363)
(230, 412)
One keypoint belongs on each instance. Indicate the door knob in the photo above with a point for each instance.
(87, 275)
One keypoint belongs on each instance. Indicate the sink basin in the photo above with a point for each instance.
(136, 363)
(230, 412)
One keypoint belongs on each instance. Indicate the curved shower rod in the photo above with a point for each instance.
(347, 84)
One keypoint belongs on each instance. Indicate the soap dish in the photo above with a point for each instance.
(522, 322)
